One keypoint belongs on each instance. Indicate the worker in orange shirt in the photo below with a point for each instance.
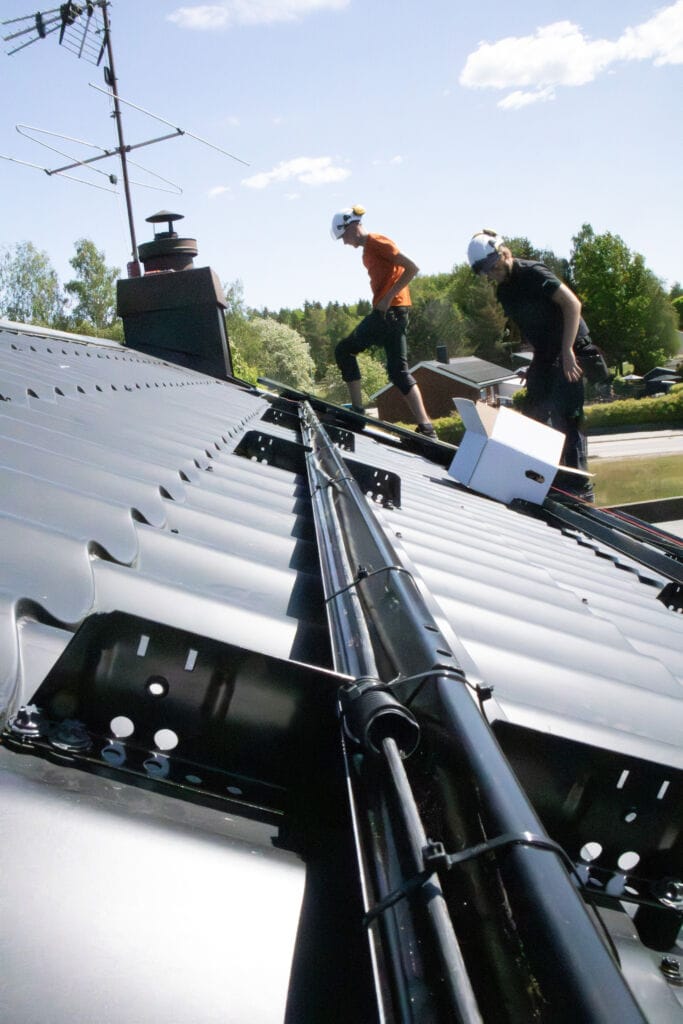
(390, 274)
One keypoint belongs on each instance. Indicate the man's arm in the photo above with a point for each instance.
(410, 269)
(571, 314)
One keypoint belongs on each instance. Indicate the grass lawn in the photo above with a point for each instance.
(618, 481)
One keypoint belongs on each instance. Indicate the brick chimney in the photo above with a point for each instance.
(175, 311)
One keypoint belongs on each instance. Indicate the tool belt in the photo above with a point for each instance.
(591, 359)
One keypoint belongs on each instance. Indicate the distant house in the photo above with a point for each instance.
(442, 381)
(659, 380)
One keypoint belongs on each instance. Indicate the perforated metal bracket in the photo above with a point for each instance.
(288, 417)
(198, 717)
(377, 484)
(671, 597)
(283, 417)
(275, 451)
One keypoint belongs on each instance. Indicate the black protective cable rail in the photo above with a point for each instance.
(655, 551)
(436, 451)
(581, 978)
(381, 720)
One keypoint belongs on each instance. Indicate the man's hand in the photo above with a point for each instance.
(570, 367)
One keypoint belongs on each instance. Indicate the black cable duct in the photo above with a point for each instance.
(382, 634)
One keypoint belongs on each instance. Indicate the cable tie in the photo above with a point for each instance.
(364, 574)
(435, 858)
(509, 839)
(442, 672)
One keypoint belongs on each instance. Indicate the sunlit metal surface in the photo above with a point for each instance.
(132, 907)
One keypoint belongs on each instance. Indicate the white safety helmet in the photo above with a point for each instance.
(342, 220)
(483, 250)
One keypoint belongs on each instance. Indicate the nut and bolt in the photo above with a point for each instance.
(669, 892)
(70, 735)
(27, 723)
(671, 969)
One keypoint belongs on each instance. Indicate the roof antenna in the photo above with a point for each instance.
(74, 22)
(84, 30)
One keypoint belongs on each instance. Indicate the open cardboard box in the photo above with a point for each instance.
(506, 455)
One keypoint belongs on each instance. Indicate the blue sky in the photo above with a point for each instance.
(440, 118)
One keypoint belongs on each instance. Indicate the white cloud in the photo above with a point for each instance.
(392, 161)
(218, 190)
(228, 13)
(518, 99)
(561, 55)
(317, 170)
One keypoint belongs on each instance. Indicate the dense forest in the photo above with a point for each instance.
(629, 313)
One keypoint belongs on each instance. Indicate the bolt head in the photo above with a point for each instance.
(671, 969)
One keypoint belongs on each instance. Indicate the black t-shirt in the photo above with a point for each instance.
(527, 298)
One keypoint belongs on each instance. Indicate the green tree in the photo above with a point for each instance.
(314, 330)
(30, 292)
(277, 352)
(242, 336)
(523, 249)
(484, 320)
(678, 310)
(435, 322)
(93, 290)
(676, 296)
(627, 311)
(373, 378)
(339, 322)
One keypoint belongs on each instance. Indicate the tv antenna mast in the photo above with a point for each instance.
(84, 29)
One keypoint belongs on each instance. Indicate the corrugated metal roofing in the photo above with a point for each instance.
(120, 489)
(113, 479)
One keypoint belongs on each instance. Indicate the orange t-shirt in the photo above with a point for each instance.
(379, 259)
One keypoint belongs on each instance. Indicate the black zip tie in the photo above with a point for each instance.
(483, 692)
(403, 890)
(434, 857)
(363, 574)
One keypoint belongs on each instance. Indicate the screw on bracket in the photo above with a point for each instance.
(70, 735)
(669, 892)
(671, 969)
(27, 724)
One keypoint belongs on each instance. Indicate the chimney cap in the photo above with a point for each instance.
(164, 217)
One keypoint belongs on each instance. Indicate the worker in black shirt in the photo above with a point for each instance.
(548, 315)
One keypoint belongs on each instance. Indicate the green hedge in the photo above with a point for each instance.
(626, 412)
(449, 428)
(634, 411)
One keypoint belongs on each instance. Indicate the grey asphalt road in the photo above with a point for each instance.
(622, 446)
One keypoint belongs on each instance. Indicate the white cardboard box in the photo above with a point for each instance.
(506, 455)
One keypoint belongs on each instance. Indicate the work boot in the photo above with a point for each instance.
(427, 430)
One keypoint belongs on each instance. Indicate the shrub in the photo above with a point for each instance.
(634, 411)
(449, 428)
(628, 412)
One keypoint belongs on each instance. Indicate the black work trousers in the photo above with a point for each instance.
(388, 329)
(558, 402)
